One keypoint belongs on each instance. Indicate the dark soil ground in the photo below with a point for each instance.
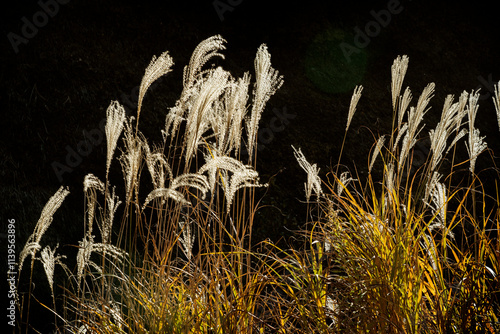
(58, 79)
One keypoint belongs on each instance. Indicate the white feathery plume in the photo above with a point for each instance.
(83, 256)
(415, 116)
(376, 151)
(226, 121)
(187, 238)
(193, 81)
(389, 180)
(430, 185)
(439, 205)
(91, 183)
(189, 180)
(173, 119)
(156, 68)
(241, 175)
(157, 165)
(86, 247)
(46, 217)
(496, 101)
(450, 118)
(199, 115)
(243, 178)
(236, 104)
(476, 145)
(130, 158)
(343, 181)
(112, 204)
(115, 117)
(462, 102)
(166, 193)
(459, 136)
(268, 81)
(430, 247)
(404, 101)
(401, 132)
(201, 55)
(49, 261)
(398, 72)
(214, 163)
(354, 102)
(313, 180)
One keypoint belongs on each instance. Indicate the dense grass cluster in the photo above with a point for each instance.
(402, 251)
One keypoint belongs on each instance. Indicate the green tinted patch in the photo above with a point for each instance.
(329, 68)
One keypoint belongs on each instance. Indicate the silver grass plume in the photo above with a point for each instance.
(496, 101)
(130, 158)
(91, 183)
(476, 145)
(389, 180)
(415, 116)
(430, 185)
(404, 101)
(227, 118)
(173, 119)
(166, 193)
(376, 151)
(451, 118)
(214, 163)
(241, 175)
(115, 117)
(201, 55)
(188, 180)
(193, 80)
(462, 102)
(401, 132)
(157, 165)
(199, 115)
(187, 238)
(313, 180)
(156, 68)
(49, 261)
(86, 247)
(112, 204)
(398, 72)
(245, 177)
(439, 205)
(268, 81)
(46, 217)
(236, 103)
(191, 180)
(354, 102)
(343, 182)
(430, 247)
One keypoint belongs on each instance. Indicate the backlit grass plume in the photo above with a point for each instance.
(115, 117)
(268, 81)
(33, 243)
(157, 68)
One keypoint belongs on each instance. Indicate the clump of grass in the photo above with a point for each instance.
(180, 260)
(384, 255)
(402, 251)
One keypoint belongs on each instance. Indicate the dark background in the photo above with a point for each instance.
(59, 84)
